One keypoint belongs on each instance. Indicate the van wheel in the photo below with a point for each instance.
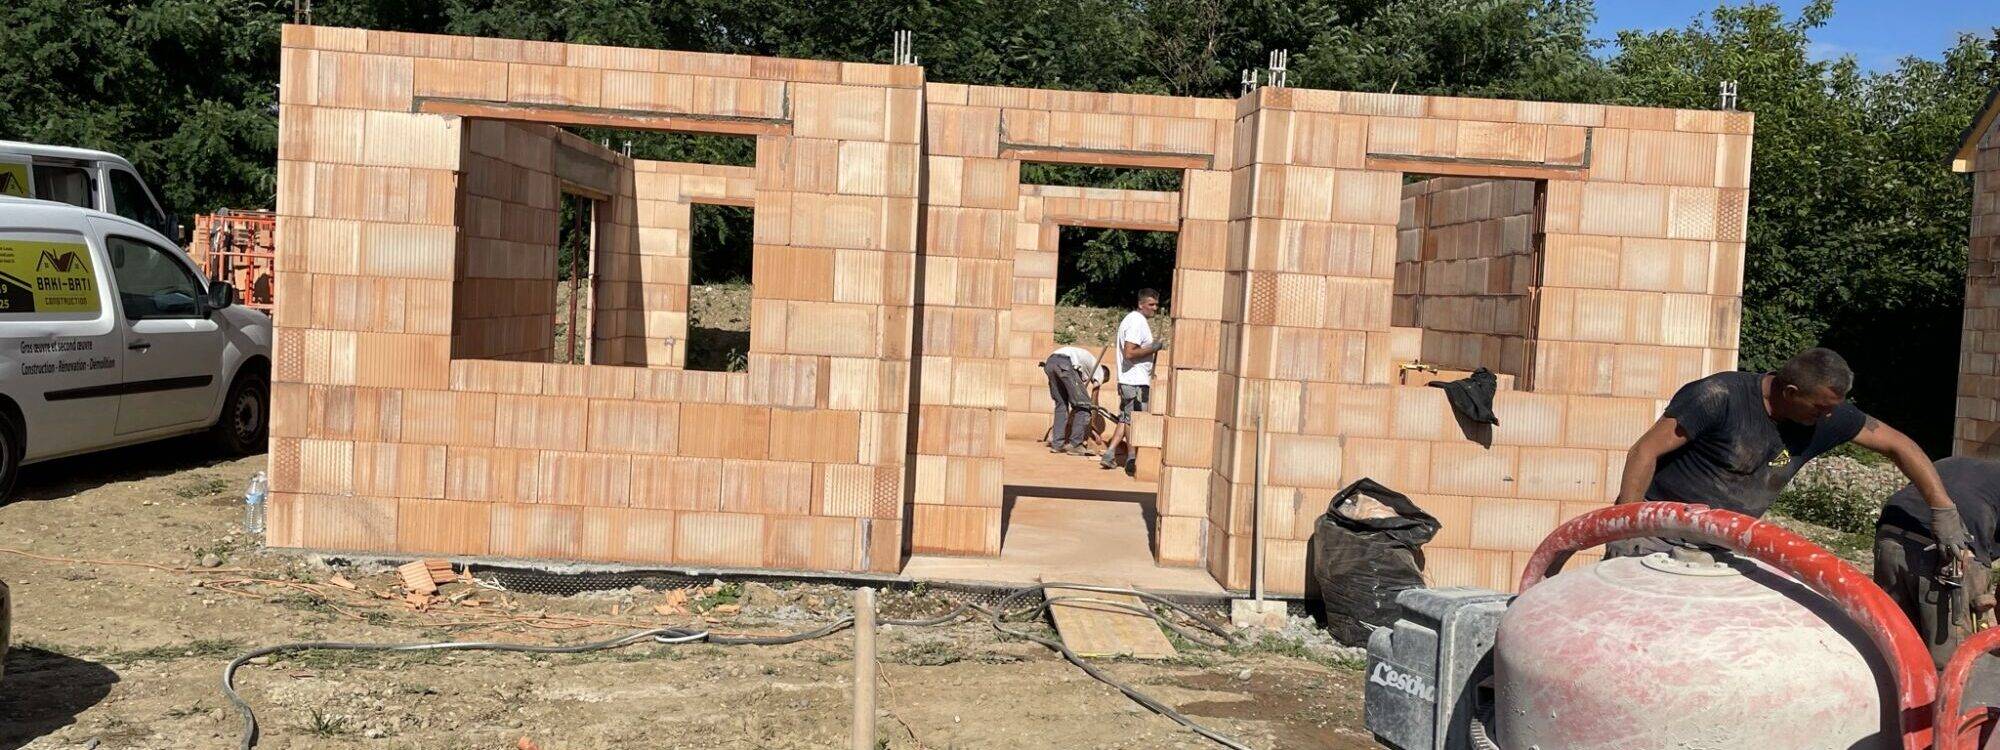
(246, 416)
(12, 446)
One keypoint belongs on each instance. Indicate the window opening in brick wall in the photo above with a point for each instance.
(575, 242)
(1468, 259)
(1078, 175)
(664, 145)
(719, 262)
(1097, 273)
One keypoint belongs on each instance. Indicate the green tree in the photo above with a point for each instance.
(184, 89)
(1857, 229)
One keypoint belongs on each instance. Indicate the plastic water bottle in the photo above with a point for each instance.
(253, 504)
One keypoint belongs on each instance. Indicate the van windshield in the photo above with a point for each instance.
(66, 184)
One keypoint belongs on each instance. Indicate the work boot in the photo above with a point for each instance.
(1080, 450)
(1107, 462)
(1057, 448)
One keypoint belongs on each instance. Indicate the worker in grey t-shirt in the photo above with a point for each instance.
(1733, 440)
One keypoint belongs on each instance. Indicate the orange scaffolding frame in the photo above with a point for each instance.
(239, 247)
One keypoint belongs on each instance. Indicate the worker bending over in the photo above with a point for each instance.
(1134, 348)
(1733, 440)
(1944, 605)
(1075, 394)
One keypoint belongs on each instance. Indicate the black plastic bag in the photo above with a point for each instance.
(1362, 563)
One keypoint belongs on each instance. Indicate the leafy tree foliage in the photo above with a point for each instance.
(1857, 230)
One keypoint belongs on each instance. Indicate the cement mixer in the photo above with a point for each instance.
(1778, 645)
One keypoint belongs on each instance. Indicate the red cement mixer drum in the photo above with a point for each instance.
(1685, 652)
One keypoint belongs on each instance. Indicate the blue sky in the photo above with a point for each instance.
(1875, 32)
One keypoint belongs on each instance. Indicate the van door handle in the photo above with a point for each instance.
(139, 346)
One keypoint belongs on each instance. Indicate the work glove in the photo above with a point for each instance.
(1949, 531)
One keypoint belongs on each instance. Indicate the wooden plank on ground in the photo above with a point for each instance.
(1092, 629)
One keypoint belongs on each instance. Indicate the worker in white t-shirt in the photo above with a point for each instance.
(1134, 349)
(1073, 379)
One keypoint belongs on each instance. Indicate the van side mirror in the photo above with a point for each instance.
(220, 295)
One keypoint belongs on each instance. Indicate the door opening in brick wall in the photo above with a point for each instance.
(720, 262)
(1468, 269)
(576, 244)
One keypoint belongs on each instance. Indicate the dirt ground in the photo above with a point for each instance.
(117, 656)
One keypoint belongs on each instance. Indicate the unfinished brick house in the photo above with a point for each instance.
(1976, 432)
(904, 290)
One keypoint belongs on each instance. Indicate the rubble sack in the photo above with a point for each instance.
(1367, 547)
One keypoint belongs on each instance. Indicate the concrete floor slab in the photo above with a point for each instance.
(1066, 520)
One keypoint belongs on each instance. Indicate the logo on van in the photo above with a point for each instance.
(61, 263)
(10, 184)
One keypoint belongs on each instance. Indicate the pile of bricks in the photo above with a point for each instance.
(890, 358)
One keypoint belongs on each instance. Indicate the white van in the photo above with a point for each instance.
(84, 178)
(110, 336)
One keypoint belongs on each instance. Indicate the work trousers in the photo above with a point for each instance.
(1908, 572)
(1073, 404)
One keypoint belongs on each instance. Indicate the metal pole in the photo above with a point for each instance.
(1257, 508)
(864, 669)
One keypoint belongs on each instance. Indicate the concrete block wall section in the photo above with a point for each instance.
(1977, 428)
(884, 362)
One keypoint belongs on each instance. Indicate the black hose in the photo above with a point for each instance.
(996, 617)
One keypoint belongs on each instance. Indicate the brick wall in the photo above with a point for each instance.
(1977, 429)
(878, 386)
(384, 440)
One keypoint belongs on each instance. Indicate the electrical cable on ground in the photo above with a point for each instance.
(995, 616)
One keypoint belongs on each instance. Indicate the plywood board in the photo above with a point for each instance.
(1092, 629)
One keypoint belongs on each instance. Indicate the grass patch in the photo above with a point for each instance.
(926, 654)
(728, 593)
(326, 725)
(201, 488)
(1276, 645)
(199, 649)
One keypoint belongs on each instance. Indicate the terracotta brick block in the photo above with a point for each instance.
(812, 543)
(1510, 525)
(1303, 461)
(570, 478)
(541, 421)
(1563, 474)
(1528, 418)
(626, 534)
(339, 524)
(1182, 541)
(1421, 413)
(399, 470)
(676, 483)
(326, 467)
(767, 487)
(1607, 422)
(823, 436)
(633, 426)
(730, 539)
(545, 531)
(1401, 465)
(1454, 515)
(344, 413)
(363, 81)
(724, 431)
(940, 529)
(1464, 468)
(443, 527)
(491, 474)
(459, 79)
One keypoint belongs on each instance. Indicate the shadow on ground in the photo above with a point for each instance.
(64, 477)
(44, 691)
